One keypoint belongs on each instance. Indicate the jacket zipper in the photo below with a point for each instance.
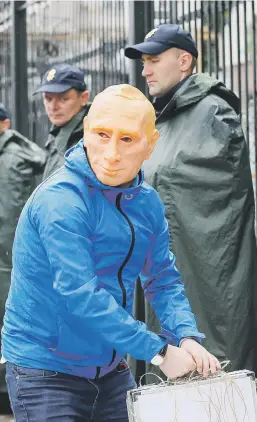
(124, 293)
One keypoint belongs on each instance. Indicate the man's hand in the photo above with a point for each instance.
(177, 362)
(206, 363)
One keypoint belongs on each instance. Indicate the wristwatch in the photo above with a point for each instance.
(159, 358)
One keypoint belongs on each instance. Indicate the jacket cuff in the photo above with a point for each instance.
(154, 351)
(175, 340)
(192, 338)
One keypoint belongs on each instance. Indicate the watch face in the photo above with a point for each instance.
(157, 360)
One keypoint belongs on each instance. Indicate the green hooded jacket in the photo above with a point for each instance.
(20, 161)
(201, 169)
(66, 137)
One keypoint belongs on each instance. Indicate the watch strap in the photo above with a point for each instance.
(163, 351)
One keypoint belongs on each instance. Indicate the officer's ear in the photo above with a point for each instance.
(84, 98)
(185, 61)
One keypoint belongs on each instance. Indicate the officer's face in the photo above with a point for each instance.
(119, 135)
(165, 70)
(4, 125)
(62, 107)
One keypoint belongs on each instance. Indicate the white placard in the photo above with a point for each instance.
(229, 398)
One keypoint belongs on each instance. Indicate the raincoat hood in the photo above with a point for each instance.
(196, 88)
(28, 151)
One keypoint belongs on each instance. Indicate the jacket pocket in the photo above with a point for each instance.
(84, 349)
(28, 373)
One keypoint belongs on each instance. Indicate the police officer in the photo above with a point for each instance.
(20, 160)
(65, 98)
(201, 170)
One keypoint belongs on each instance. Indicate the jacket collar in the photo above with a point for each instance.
(195, 88)
(160, 102)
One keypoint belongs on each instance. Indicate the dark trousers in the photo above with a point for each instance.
(39, 396)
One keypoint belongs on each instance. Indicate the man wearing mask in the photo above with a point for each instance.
(83, 239)
(20, 161)
(201, 170)
(65, 98)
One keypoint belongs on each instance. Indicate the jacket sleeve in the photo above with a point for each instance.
(16, 187)
(36, 156)
(63, 223)
(160, 280)
(30, 152)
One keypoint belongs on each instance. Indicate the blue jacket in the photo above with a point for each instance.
(80, 247)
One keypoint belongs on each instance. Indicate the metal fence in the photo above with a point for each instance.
(5, 56)
(89, 34)
(35, 35)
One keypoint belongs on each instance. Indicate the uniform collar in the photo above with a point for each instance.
(4, 138)
(160, 102)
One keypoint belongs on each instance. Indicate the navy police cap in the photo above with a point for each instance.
(61, 78)
(160, 39)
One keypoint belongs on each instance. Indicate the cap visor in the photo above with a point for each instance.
(149, 47)
(53, 88)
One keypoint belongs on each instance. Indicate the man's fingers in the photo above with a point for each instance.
(206, 363)
(199, 363)
(217, 363)
(213, 365)
(193, 365)
(206, 366)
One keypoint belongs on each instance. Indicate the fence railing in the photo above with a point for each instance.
(91, 35)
